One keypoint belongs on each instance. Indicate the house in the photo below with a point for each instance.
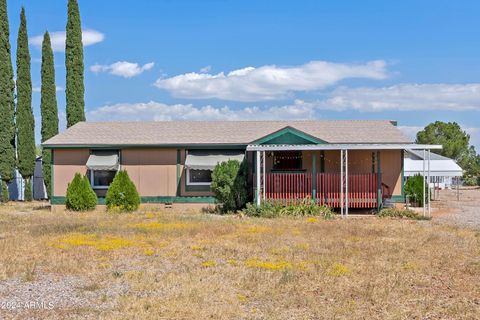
(172, 162)
(444, 172)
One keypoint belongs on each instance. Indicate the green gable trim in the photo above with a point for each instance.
(155, 199)
(288, 135)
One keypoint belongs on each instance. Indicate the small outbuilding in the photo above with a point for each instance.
(444, 172)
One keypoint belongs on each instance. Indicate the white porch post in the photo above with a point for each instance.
(341, 182)
(423, 176)
(257, 191)
(429, 192)
(346, 183)
(263, 175)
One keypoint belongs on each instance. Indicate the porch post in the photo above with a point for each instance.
(257, 191)
(263, 175)
(379, 182)
(314, 177)
(346, 183)
(423, 176)
(429, 192)
(341, 183)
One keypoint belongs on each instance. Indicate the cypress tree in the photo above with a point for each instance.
(24, 120)
(48, 106)
(7, 123)
(74, 64)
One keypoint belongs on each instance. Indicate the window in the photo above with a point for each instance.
(101, 179)
(103, 165)
(287, 160)
(197, 177)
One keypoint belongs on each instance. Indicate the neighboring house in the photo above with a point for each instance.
(16, 187)
(444, 172)
(172, 162)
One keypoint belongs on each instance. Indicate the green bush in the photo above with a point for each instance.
(270, 209)
(229, 184)
(80, 195)
(470, 180)
(122, 195)
(413, 190)
(401, 213)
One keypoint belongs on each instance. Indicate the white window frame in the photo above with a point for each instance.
(92, 180)
(189, 183)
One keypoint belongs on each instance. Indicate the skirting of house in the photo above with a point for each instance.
(60, 200)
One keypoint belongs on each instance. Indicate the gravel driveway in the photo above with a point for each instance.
(465, 212)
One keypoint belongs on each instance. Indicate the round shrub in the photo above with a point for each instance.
(229, 184)
(80, 195)
(122, 195)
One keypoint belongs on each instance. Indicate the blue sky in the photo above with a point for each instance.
(411, 61)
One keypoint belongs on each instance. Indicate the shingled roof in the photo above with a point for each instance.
(221, 132)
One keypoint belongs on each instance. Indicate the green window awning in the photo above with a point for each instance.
(207, 160)
(103, 160)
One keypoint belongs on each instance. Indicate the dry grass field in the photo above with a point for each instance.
(187, 265)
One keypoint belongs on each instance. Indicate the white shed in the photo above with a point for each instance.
(443, 170)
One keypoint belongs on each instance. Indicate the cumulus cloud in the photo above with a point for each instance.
(405, 97)
(268, 82)
(89, 37)
(122, 68)
(155, 111)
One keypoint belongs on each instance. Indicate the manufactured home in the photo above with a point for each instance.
(352, 164)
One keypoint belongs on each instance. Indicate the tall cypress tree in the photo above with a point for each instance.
(7, 123)
(74, 64)
(48, 106)
(24, 120)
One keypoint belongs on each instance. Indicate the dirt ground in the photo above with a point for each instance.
(463, 212)
(190, 265)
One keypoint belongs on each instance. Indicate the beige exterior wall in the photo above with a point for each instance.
(154, 171)
(391, 168)
(67, 162)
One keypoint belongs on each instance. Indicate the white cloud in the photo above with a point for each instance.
(89, 37)
(268, 82)
(155, 111)
(405, 97)
(122, 68)
(38, 89)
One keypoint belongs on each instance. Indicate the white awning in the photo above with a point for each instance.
(103, 160)
(207, 160)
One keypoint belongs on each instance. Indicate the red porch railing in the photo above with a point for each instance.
(362, 190)
(289, 188)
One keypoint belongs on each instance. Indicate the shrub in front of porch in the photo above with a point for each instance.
(80, 195)
(122, 195)
(229, 184)
(413, 190)
(271, 209)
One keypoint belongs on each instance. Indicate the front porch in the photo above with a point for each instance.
(344, 176)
